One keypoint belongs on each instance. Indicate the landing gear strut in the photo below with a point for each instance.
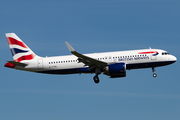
(154, 74)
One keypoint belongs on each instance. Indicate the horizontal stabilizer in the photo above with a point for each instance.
(18, 63)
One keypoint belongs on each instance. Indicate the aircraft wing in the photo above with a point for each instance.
(91, 62)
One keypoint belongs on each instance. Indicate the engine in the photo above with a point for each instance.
(115, 70)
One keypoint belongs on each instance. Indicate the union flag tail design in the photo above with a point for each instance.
(20, 51)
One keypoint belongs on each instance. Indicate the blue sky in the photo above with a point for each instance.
(90, 26)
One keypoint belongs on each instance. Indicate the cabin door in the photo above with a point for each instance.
(40, 63)
(153, 57)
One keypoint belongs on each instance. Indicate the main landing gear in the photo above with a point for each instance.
(96, 78)
(154, 74)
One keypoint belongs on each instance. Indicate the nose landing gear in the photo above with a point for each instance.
(154, 74)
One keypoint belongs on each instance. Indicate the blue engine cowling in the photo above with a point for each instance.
(116, 70)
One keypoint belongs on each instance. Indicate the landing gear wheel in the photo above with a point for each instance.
(96, 79)
(154, 75)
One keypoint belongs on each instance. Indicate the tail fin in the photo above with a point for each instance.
(20, 51)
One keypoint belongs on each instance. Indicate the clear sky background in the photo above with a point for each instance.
(90, 26)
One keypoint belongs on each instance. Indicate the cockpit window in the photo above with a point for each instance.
(165, 53)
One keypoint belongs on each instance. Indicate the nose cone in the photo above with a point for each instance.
(173, 58)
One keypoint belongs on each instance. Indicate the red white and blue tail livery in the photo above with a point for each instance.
(113, 64)
(19, 50)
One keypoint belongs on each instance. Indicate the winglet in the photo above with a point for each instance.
(70, 47)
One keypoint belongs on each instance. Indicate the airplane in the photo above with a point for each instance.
(113, 64)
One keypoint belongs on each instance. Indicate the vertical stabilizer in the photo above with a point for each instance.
(20, 51)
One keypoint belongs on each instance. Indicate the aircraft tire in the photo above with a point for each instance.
(96, 79)
(154, 75)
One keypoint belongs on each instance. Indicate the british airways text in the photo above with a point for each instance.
(135, 58)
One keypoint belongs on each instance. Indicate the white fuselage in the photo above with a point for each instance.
(69, 64)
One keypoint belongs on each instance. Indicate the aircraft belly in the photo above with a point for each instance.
(148, 64)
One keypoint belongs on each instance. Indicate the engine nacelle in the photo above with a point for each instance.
(115, 70)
